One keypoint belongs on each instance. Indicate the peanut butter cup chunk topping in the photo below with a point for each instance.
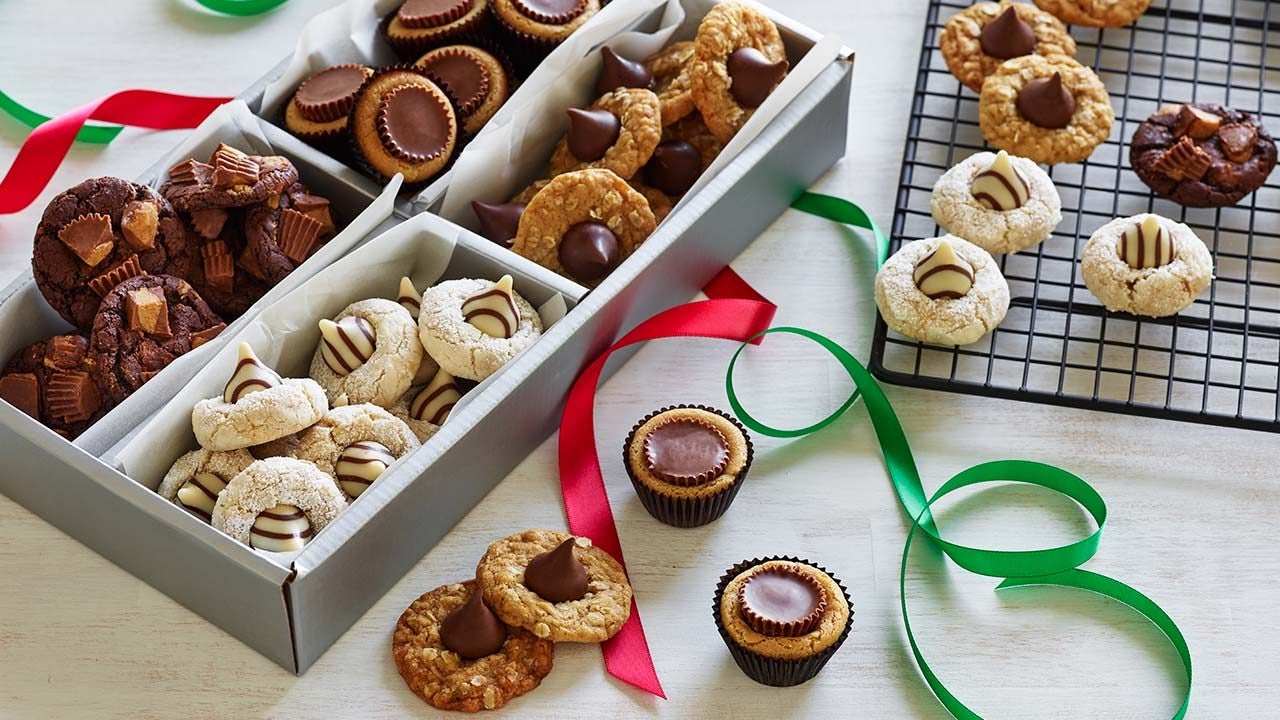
(89, 237)
(139, 223)
(347, 344)
(942, 274)
(558, 575)
(250, 376)
(461, 73)
(473, 630)
(592, 133)
(191, 172)
(1047, 102)
(412, 125)
(493, 311)
(297, 234)
(422, 14)
(434, 402)
(1000, 186)
(1008, 36)
(1184, 161)
(22, 390)
(1146, 245)
(107, 281)
(551, 12)
(72, 397)
(753, 76)
(782, 602)
(232, 167)
(329, 94)
(686, 452)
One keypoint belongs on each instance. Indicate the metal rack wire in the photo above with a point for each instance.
(1217, 362)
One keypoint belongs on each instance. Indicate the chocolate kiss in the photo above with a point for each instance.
(1008, 36)
(473, 631)
(1047, 102)
(588, 251)
(592, 133)
(557, 576)
(753, 76)
(674, 167)
(618, 71)
(498, 221)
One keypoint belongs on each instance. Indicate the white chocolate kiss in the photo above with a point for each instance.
(942, 274)
(1000, 186)
(409, 297)
(1146, 245)
(250, 376)
(200, 493)
(493, 310)
(347, 344)
(435, 401)
(360, 464)
(283, 528)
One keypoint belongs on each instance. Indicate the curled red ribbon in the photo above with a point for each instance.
(47, 145)
(736, 313)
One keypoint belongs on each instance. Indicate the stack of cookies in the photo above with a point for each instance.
(144, 277)
(656, 125)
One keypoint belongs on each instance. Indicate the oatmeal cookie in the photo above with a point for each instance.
(277, 505)
(257, 406)
(670, 69)
(945, 291)
(738, 60)
(197, 479)
(471, 328)
(998, 202)
(354, 444)
(976, 40)
(1095, 13)
(618, 132)
(1146, 265)
(369, 352)
(1049, 110)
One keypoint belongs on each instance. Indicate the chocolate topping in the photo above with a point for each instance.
(686, 452)
(674, 167)
(592, 133)
(1008, 36)
(551, 12)
(1047, 102)
(420, 14)
(22, 390)
(465, 77)
(329, 94)
(65, 352)
(557, 576)
(297, 234)
(473, 631)
(619, 72)
(753, 76)
(208, 222)
(589, 251)
(89, 237)
(107, 281)
(72, 397)
(782, 602)
(1183, 161)
(412, 125)
(499, 221)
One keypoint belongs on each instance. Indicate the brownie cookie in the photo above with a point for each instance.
(403, 123)
(280, 238)
(97, 234)
(1047, 109)
(1202, 155)
(231, 178)
(738, 60)
(1093, 13)
(53, 382)
(219, 273)
(618, 132)
(976, 40)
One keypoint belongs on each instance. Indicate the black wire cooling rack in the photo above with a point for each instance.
(1218, 361)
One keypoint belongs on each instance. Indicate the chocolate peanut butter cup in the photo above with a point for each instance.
(419, 25)
(476, 79)
(319, 110)
(404, 123)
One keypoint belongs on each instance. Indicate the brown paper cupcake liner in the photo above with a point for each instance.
(466, 32)
(687, 512)
(772, 671)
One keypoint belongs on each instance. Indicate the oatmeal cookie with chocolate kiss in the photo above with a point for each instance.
(618, 132)
(738, 60)
(976, 40)
(670, 69)
(1095, 13)
(1048, 109)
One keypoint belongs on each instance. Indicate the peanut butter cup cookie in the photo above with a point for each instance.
(369, 353)
(319, 109)
(1047, 109)
(257, 406)
(738, 60)
(1096, 13)
(403, 123)
(976, 40)
(355, 444)
(945, 291)
(618, 132)
(543, 24)
(475, 78)
(998, 202)
(420, 24)
(1146, 265)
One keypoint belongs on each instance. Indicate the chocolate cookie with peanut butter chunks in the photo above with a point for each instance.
(1202, 155)
(219, 272)
(281, 236)
(99, 233)
(231, 178)
(144, 324)
(53, 382)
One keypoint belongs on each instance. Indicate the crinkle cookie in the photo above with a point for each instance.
(558, 587)
(998, 202)
(370, 353)
(1095, 13)
(738, 60)
(618, 132)
(1146, 265)
(426, 406)
(976, 40)
(671, 81)
(355, 444)
(474, 327)
(945, 291)
(1050, 110)
(583, 224)
(277, 505)
(256, 407)
(197, 479)
(453, 653)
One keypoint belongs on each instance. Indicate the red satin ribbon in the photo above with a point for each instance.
(47, 145)
(737, 313)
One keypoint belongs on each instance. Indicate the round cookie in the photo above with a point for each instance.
(595, 616)
(403, 123)
(419, 24)
(197, 479)
(280, 237)
(219, 273)
(98, 233)
(319, 108)
(694, 131)
(997, 225)
(671, 80)
(460, 347)
(941, 320)
(449, 681)
(828, 631)
(427, 406)
(144, 324)
(54, 382)
(277, 505)
(476, 79)
(660, 204)
(256, 407)
(972, 35)
(231, 178)
(1158, 291)
(386, 371)
(618, 132)
(1004, 125)
(543, 23)
(738, 60)
(329, 445)
(583, 198)
(1090, 13)
(1202, 155)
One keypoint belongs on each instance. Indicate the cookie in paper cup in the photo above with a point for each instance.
(320, 109)
(534, 28)
(419, 25)
(403, 123)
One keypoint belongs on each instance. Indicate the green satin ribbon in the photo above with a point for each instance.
(98, 134)
(241, 8)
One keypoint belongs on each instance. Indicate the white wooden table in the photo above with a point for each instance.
(1193, 508)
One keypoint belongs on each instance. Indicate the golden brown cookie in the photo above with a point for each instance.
(403, 123)
(618, 132)
(1095, 13)
(524, 196)
(449, 681)
(694, 131)
(738, 60)
(659, 202)
(321, 106)
(511, 565)
(1069, 104)
(976, 40)
(670, 69)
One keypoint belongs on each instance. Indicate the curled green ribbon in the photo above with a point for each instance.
(98, 134)
(241, 8)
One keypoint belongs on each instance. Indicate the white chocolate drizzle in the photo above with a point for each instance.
(360, 464)
(283, 528)
(409, 298)
(1146, 245)
(943, 274)
(200, 493)
(434, 402)
(493, 311)
(250, 376)
(347, 344)
(1000, 186)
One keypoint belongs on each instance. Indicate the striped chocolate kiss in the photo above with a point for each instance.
(943, 274)
(283, 528)
(1146, 245)
(409, 297)
(199, 494)
(1000, 186)
(347, 344)
(493, 310)
(250, 376)
(435, 401)
(360, 464)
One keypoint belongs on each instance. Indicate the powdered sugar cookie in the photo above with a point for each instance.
(738, 60)
(277, 505)
(256, 407)
(369, 353)
(945, 291)
(355, 444)
(1146, 265)
(426, 406)
(196, 480)
(618, 132)
(998, 202)
(474, 327)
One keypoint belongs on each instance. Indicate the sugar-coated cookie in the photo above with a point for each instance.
(355, 444)
(945, 291)
(474, 327)
(369, 352)
(1146, 265)
(427, 405)
(257, 406)
(197, 479)
(998, 202)
(277, 505)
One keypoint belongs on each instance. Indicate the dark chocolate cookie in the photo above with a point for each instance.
(145, 324)
(1202, 155)
(54, 382)
(225, 275)
(231, 178)
(99, 233)
(279, 239)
